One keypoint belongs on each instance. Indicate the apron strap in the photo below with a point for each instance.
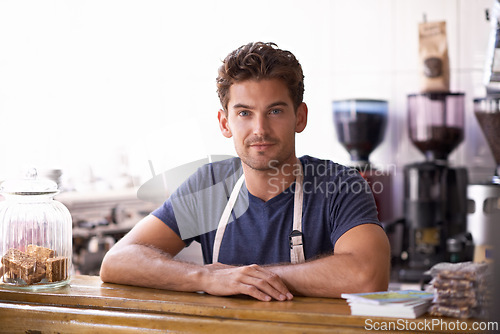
(295, 237)
(224, 219)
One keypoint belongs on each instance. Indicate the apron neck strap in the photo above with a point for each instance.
(295, 237)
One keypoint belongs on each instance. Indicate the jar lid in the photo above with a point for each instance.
(30, 185)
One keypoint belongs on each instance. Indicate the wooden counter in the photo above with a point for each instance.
(89, 305)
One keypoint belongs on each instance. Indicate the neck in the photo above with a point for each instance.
(266, 184)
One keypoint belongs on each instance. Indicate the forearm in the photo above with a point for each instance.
(149, 267)
(333, 275)
(146, 266)
(143, 257)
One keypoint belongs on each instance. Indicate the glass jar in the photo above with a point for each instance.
(36, 235)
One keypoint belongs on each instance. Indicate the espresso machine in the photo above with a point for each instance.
(360, 125)
(484, 198)
(435, 193)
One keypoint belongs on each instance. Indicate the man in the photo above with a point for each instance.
(290, 226)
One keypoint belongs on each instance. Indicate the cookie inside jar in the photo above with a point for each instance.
(34, 265)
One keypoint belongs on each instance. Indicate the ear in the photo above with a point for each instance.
(301, 119)
(224, 124)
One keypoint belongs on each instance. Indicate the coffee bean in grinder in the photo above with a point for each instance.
(435, 192)
(484, 197)
(360, 125)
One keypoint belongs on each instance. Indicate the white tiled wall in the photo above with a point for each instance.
(374, 53)
(92, 84)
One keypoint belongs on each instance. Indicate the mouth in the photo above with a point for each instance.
(261, 146)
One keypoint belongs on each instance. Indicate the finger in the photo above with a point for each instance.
(253, 291)
(277, 283)
(267, 282)
(264, 286)
(234, 280)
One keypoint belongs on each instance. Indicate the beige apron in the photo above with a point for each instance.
(295, 237)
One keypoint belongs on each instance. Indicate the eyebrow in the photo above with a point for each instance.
(274, 104)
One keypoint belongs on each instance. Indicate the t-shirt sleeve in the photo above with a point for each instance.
(165, 213)
(182, 197)
(353, 204)
(196, 206)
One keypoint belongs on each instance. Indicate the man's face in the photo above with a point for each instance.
(262, 121)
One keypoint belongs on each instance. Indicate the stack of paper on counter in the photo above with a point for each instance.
(398, 304)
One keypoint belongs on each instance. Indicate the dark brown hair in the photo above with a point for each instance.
(260, 61)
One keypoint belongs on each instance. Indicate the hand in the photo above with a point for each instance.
(252, 280)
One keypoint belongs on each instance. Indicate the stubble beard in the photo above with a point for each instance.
(262, 165)
(259, 162)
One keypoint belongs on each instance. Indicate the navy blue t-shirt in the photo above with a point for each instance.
(336, 199)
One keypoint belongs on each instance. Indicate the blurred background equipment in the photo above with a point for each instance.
(434, 192)
(99, 220)
(360, 125)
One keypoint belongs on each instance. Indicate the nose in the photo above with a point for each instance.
(261, 125)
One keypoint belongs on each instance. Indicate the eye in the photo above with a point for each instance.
(243, 113)
(275, 111)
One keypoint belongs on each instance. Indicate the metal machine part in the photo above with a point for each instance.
(483, 212)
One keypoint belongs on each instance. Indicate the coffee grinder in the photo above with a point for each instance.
(434, 192)
(360, 125)
(484, 198)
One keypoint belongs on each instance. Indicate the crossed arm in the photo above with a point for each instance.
(144, 257)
